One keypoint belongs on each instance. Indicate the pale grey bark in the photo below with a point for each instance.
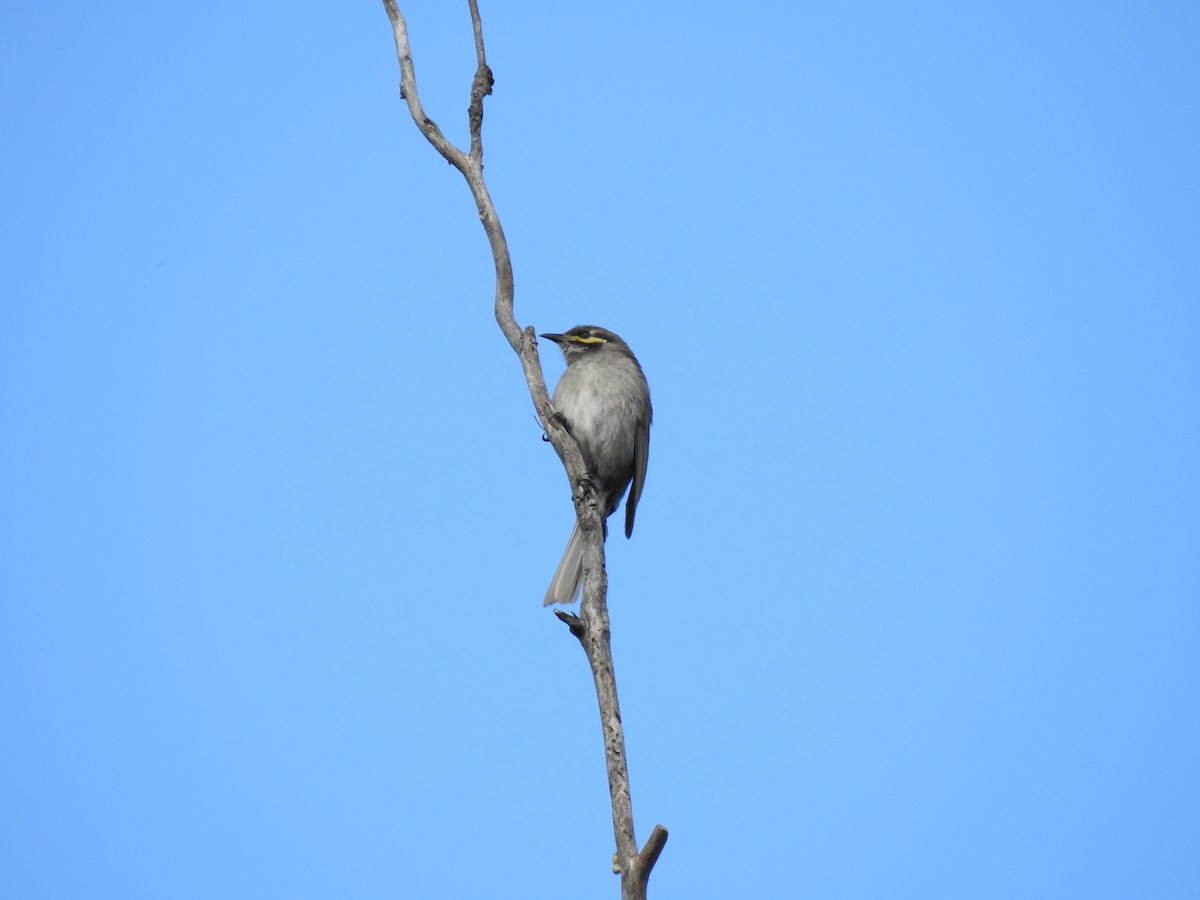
(591, 626)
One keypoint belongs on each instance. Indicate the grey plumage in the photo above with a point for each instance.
(605, 401)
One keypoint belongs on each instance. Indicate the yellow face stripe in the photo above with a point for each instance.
(590, 339)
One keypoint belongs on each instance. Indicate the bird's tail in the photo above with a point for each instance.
(564, 587)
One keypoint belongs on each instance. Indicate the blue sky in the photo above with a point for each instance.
(911, 608)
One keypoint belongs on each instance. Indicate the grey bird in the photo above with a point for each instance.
(605, 404)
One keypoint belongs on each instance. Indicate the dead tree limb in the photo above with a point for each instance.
(591, 626)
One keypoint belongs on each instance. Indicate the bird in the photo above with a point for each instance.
(604, 401)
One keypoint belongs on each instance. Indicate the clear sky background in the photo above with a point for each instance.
(911, 610)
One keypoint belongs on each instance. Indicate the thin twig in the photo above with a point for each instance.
(480, 87)
(408, 90)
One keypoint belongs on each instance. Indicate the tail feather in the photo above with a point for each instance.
(564, 586)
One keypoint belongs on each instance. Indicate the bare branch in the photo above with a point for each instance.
(591, 626)
(480, 87)
(471, 167)
(408, 90)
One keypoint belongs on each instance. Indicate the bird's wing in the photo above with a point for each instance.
(641, 454)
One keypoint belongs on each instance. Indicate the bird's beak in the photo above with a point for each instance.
(557, 338)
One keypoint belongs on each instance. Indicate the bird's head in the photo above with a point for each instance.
(587, 339)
